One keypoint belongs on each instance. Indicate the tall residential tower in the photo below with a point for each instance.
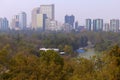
(89, 24)
(22, 20)
(49, 10)
(98, 25)
(4, 24)
(114, 25)
(70, 20)
(35, 11)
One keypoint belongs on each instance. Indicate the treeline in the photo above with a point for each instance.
(20, 40)
(51, 66)
(20, 58)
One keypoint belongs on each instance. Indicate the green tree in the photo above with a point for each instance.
(83, 41)
(68, 49)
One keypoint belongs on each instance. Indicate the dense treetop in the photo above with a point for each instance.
(20, 58)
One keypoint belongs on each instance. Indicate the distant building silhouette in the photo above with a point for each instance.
(22, 20)
(15, 22)
(4, 24)
(106, 27)
(35, 11)
(76, 25)
(42, 17)
(98, 25)
(49, 10)
(19, 21)
(89, 24)
(114, 25)
(70, 20)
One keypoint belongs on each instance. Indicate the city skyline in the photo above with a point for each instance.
(82, 9)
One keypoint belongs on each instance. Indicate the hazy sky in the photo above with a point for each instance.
(82, 9)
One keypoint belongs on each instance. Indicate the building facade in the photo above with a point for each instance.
(98, 25)
(35, 11)
(70, 20)
(41, 21)
(49, 10)
(114, 25)
(42, 16)
(15, 22)
(22, 20)
(106, 27)
(89, 24)
(4, 24)
(76, 25)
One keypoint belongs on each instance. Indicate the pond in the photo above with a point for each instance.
(89, 53)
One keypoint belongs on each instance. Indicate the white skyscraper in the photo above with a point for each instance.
(22, 20)
(48, 10)
(35, 11)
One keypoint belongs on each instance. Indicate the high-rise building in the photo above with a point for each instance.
(49, 10)
(70, 20)
(114, 25)
(22, 20)
(19, 21)
(94, 25)
(89, 24)
(15, 22)
(106, 27)
(4, 24)
(98, 25)
(43, 17)
(41, 21)
(76, 25)
(35, 11)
